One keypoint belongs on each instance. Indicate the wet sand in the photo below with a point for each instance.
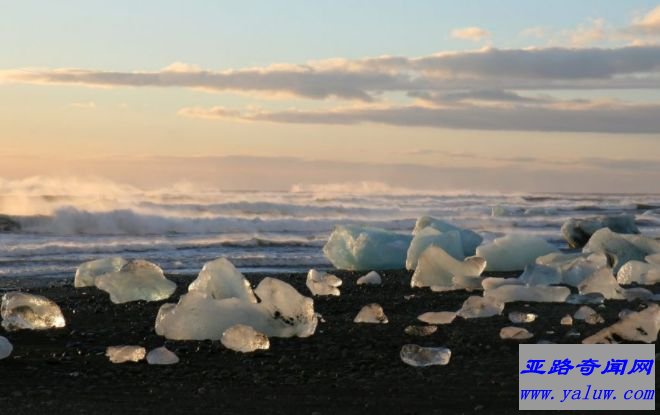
(344, 368)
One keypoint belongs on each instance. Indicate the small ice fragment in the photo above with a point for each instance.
(515, 333)
(418, 356)
(5, 348)
(589, 315)
(567, 320)
(420, 330)
(27, 311)
(372, 278)
(513, 252)
(136, 280)
(642, 326)
(536, 293)
(371, 313)
(244, 339)
(440, 317)
(122, 354)
(219, 279)
(88, 271)
(591, 298)
(573, 333)
(162, 356)
(477, 307)
(520, 317)
(322, 284)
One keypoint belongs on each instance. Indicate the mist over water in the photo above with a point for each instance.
(66, 222)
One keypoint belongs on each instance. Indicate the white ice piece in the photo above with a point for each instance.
(437, 268)
(28, 311)
(491, 283)
(477, 307)
(220, 279)
(578, 231)
(536, 274)
(244, 339)
(641, 326)
(449, 241)
(371, 313)
(638, 272)
(136, 280)
(5, 348)
(162, 356)
(520, 317)
(470, 239)
(574, 268)
(420, 331)
(603, 282)
(621, 247)
(588, 315)
(88, 271)
(537, 293)
(361, 248)
(414, 355)
(320, 283)
(123, 354)
(513, 252)
(438, 317)
(515, 333)
(567, 320)
(372, 278)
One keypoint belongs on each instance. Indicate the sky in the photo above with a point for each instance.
(503, 96)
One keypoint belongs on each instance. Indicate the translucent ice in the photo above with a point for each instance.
(420, 331)
(123, 354)
(535, 274)
(513, 252)
(136, 280)
(537, 293)
(588, 315)
(591, 298)
(621, 247)
(28, 311)
(574, 268)
(578, 231)
(323, 284)
(476, 307)
(439, 317)
(520, 317)
(88, 271)
(638, 272)
(642, 326)
(567, 320)
(470, 239)
(515, 333)
(603, 282)
(5, 348)
(282, 312)
(449, 241)
(362, 248)
(372, 278)
(418, 356)
(437, 268)
(220, 279)
(491, 283)
(162, 356)
(371, 313)
(244, 339)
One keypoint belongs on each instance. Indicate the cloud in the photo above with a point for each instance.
(563, 117)
(649, 24)
(483, 95)
(475, 34)
(538, 32)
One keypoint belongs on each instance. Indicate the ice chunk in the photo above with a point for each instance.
(520, 317)
(244, 339)
(450, 242)
(136, 280)
(491, 283)
(469, 239)
(123, 354)
(414, 355)
(574, 268)
(621, 247)
(372, 278)
(603, 282)
(162, 356)
(322, 283)
(591, 298)
(371, 313)
(27, 311)
(578, 231)
(513, 252)
(642, 326)
(361, 248)
(88, 271)
(567, 320)
(537, 293)
(440, 317)
(535, 274)
(5, 348)
(588, 315)
(515, 333)
(476, 307)
(638, 293)
(282, 312)
(436, 267)
(220, 279)
(420, 331)
(638, 272)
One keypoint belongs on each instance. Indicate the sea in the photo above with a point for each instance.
(269, 232)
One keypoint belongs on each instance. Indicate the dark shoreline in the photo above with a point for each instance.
(344, 368)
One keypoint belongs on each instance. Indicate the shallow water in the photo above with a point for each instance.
(264, 231)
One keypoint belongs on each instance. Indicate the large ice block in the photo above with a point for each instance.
(437, 268)
(578, 231)
(621, 247)
(362, 248)
(574, 268)
(136, 280)
(469, 239)
(28, 311)
(513, 252)
(219, 279)
(638, 272)
(88, 271)
(449, 241)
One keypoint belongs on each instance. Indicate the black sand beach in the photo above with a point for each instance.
(344, 368)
